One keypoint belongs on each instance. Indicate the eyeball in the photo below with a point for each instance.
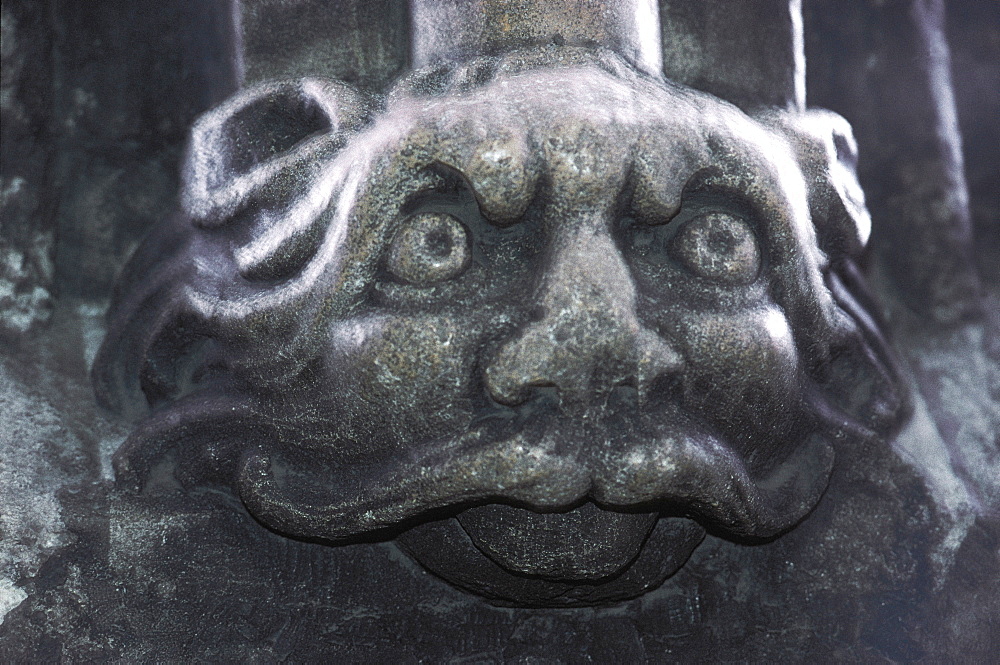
(719, 247)
(430, 248)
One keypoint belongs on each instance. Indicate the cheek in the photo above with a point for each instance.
(400, 380)
(742, 370)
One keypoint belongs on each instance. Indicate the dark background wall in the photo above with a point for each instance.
(97, 100)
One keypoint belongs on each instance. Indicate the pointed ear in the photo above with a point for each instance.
(828, 155)
(247, 144)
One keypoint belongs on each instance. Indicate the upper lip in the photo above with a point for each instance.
(545, 462)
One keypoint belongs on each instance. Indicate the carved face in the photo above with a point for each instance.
(545, 323)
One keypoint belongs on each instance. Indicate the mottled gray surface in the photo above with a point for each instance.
(898, 562)
(885, 569)
(26, 220)
(363, 43)
(630, 294)
(746, 51)
(126, 82)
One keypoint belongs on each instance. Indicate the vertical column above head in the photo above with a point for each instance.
(450, 30)
(362, 42)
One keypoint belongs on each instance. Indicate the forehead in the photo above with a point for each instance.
(583, 132)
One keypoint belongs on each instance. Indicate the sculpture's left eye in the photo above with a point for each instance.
(430, 248)
(719, 247)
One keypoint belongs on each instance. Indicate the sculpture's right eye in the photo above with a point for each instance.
(430, 248)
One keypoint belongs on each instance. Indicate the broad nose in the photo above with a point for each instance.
(587, 338)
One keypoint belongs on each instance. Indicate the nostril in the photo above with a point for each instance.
(536, 313)
(623, 396)
(542, 394)
(527, 398)
(666, 387)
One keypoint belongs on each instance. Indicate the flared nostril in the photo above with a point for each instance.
(540, 397)
(508, 387)
(536, 313)
(624, 396)
(665, 388)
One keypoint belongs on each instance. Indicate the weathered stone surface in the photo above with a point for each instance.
(366, 44)
(338, 327)
(896, 562)
(53, 442)
(973, 30)
(27, 232)
(455, 30)
(746, 51)
(884, 569)
(129, 80)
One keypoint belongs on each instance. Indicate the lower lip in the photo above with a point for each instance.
(587, 543)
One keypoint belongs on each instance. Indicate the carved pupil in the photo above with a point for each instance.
(718, 246)
(430, 248)
(439, 244)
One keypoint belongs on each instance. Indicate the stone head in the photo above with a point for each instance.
(544, 318)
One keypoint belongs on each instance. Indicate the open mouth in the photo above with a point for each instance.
(585, 544)
(579, 557)
(666, 492)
